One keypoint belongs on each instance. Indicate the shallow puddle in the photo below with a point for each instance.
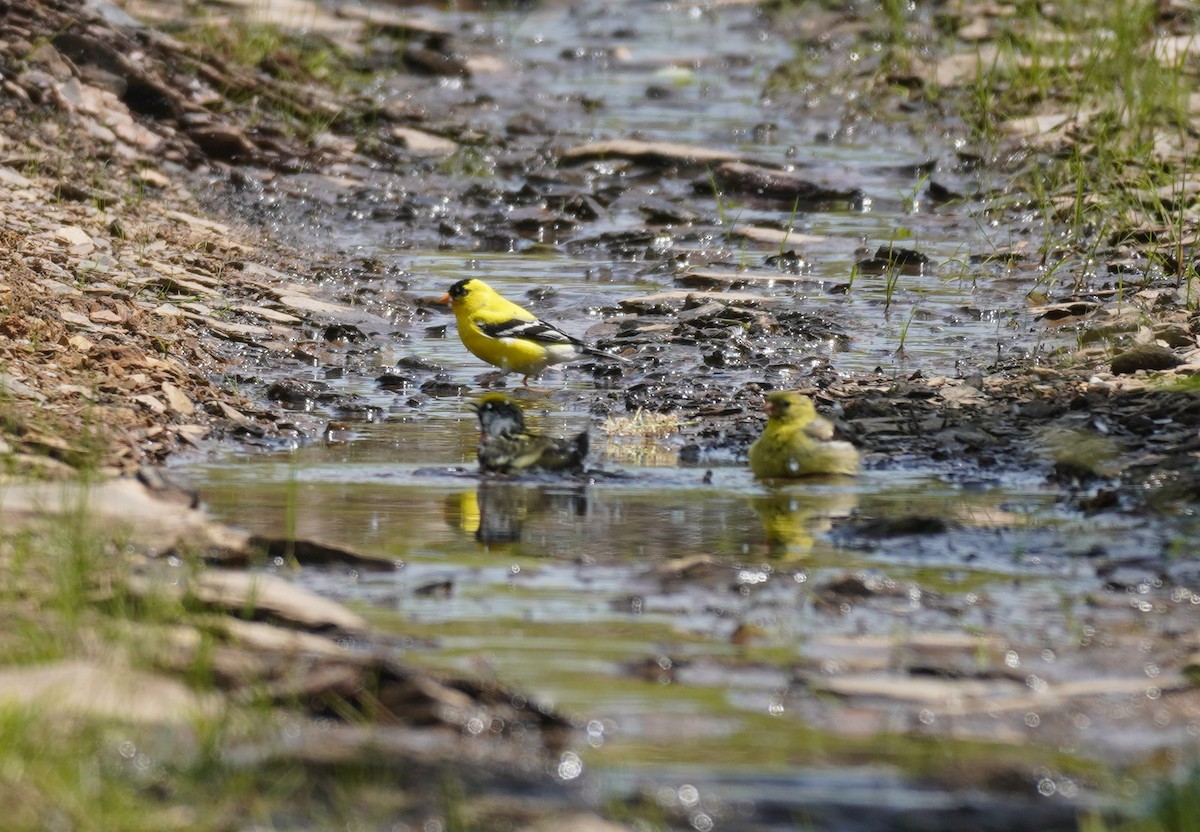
(682, 620)
(717, 638)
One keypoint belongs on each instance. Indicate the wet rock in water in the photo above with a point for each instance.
(847, 586)
(343, 333)
(1066, 312)
(657, 211)
(1145, 357)
(416, 362)
(734, 279)
(394, 382)
(887, 258)
(429, 57)
(443, 387)
(950, 655)
(299, 393)
(769, 183)
(913, 524)
(658, 154)
(942, 193)
(223, 142)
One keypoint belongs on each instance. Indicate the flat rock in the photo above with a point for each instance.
(87, 689)
(657, 153)
(74, 236)
(1145, 357)
(273, 315)
(304, 303)
(276, 598)
(256, 635)
(391, 22)
(776, 236)
(660, 300)
(123, 503)
(770, 183)
(727, 279)
(418, 141)
(919, 691)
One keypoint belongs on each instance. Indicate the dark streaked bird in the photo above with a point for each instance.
(506, 447)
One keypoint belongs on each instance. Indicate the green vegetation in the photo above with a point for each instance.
(274, 74)
(1170, 808)
(70, 592)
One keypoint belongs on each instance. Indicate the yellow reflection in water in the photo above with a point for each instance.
(792, 517)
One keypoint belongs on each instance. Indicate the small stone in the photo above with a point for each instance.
(177, 400)
(153, 404)
(418, 141)
(152, 179)
(192, 434)
(71, 235)
(1144, 357)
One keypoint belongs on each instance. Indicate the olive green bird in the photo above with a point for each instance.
(798, 442)
(506, 447)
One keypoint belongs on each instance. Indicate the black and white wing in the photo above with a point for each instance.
(535, 330)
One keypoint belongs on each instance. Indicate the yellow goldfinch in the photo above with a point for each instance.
(504, 334)
(797, 442)
(505, 447)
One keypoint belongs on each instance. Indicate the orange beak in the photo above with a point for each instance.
(444, 300)
(769, 408)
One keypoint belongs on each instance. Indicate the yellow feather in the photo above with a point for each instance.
(796, 442)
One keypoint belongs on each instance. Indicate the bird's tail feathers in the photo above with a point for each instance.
(598, 353)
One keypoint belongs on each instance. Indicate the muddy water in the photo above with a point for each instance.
(694, 627)
(897, 649)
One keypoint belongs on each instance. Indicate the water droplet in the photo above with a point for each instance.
(688, 795)
(701, 822)
(1032, 720)
(1011, 659)
(1046, 787)
(569, 766)
(925, 716)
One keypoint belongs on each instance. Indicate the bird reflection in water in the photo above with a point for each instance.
(794, 516)
(495, 512)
